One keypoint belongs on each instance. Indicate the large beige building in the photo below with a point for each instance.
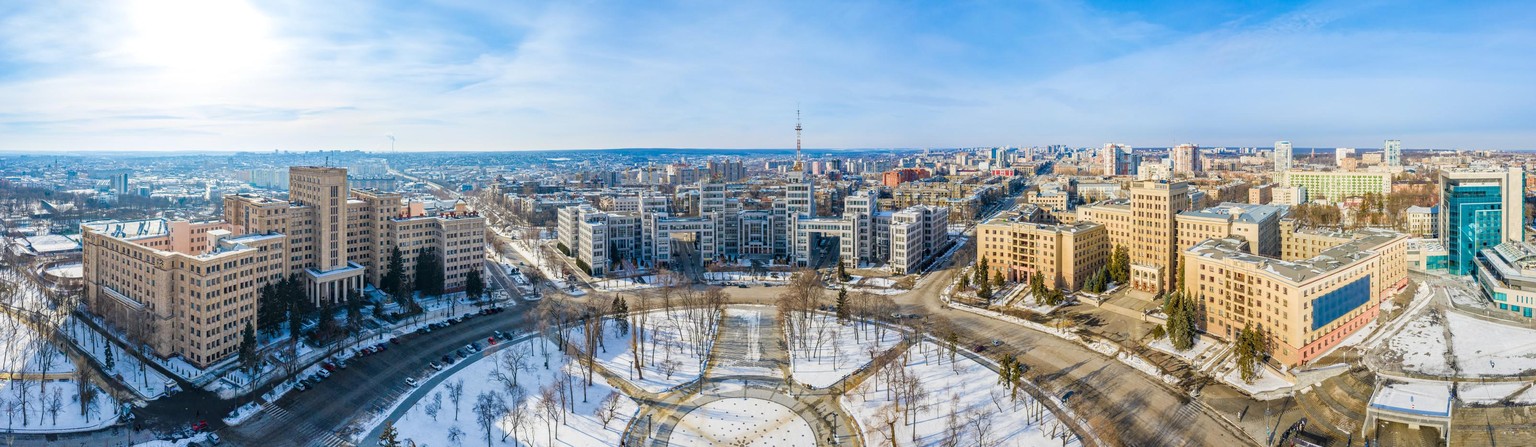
(1066, 255)
(1305, 306)
(1153, 253)
(1257, 224)
(188, 289)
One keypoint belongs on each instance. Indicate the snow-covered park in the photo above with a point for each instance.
(933, 396)
(534, 393)
(832, 350)
(529, 405)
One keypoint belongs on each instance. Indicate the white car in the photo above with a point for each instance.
(410, 381)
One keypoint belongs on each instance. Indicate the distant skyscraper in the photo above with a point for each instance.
(1283, 156)
(1392, 153)
(1118, 159)
(1186, 159)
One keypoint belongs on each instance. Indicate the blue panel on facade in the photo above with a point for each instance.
(1340, 301)
(1474, 221)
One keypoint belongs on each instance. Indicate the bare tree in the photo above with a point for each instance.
(549, 409)
(980, 421)
(489, 407)
(434, 406)
(514, 360)
(516, 414)
(954, 428)
(456, 394)
(55, 403)
(23, 395)
(455, 436)
(608, 408)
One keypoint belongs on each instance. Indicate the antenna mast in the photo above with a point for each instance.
(798, 165)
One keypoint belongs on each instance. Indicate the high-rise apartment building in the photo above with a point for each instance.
(1186, 159)
(1392, 153)
(1479, 209)
(1283, 156)
(188, 288)
(1118, 159)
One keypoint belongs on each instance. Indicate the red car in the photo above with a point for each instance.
(200, 426)
(491, 340)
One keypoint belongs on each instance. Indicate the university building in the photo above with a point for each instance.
(188, 288)
(1305, 306)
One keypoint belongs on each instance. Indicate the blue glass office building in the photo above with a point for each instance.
(1479, 209)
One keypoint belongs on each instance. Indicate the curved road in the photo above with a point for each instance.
(1124, 406)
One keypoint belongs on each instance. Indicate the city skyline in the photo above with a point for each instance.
(233, 76)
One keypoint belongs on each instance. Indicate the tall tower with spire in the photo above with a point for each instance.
(799, 166)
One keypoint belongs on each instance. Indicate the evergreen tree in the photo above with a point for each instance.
(621, 314)
(1251, 349)
(965, 282)
(997, 280)
(842, 272)
(474, 284)
(984, 290)
(429, 272)
(389, 437)
(980, 275)
(1120, 262)
(842, 305)
(394, 276)
(107, 359)
(247, 353)
(1182, 319)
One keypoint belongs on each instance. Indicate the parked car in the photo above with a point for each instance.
(437, 366)
(997, 342)
(410, 381)
(324, 374)
(301, 386)
(395, 340)
(328, 366)
(491, 340)
(447, 359)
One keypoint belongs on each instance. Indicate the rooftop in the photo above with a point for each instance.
(1361, 247)
(1239, 212)
(131, 229)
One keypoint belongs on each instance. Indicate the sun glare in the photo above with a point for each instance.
(198, 37)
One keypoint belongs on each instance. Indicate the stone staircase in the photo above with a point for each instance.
(1336, 407)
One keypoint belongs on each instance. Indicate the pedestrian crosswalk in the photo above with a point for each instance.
(276, 419)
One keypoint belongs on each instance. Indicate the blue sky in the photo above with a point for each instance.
(298, 75)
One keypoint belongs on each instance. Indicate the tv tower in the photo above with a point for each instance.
(798, 166)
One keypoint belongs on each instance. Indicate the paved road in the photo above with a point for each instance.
(368, 384)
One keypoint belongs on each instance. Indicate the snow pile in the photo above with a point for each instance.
(742, 422)
(581, 427)
(1132, 360)
(832, 350)
(961, 398)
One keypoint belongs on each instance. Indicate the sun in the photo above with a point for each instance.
(198, 37)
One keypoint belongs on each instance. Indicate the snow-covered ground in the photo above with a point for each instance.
(618, 284)
(147, 382)
(581, 427)
(63, 395)
(1027, 301)
(1195, 355)
(1485, 348)
(964, 392)
(1487, 393)
(670, 343)
(1421, 346)
(1463, 297)
(773, 277)
(833, 350)
(22, 351)
(1266, 382)
(742, 422)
